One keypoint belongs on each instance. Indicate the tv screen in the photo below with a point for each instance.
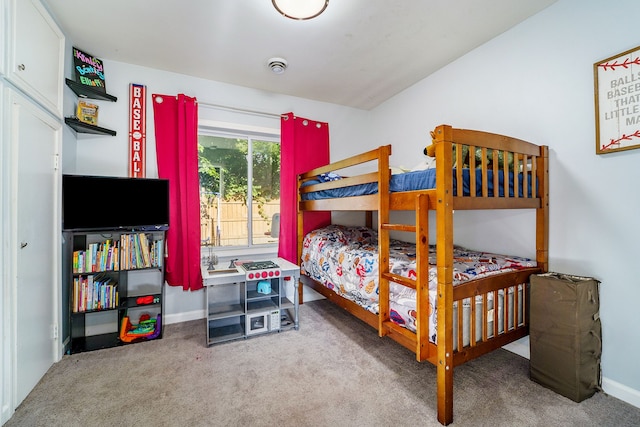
(101, 202)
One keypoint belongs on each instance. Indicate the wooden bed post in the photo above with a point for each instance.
(444, 259)
(368, 219)
(542, 213)
(422, 279)
(383, 236)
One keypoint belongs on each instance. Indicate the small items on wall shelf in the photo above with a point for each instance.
(82, 127)
(84, 91)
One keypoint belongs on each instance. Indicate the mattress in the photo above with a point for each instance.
(418, 180)
(345, 260)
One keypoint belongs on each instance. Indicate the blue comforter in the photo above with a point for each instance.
(420, 180)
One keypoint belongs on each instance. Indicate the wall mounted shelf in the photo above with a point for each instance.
(84, 91)
(81, 127)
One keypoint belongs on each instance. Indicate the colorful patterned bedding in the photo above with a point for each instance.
(345, 259)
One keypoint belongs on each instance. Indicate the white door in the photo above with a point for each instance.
(5, 320)
(35, 138)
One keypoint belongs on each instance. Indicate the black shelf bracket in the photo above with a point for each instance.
(84, 91)
(81, 127)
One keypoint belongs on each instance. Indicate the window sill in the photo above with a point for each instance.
(243, 254)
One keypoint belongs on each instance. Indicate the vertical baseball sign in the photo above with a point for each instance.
(137, 130)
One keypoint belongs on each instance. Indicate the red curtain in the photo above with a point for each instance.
(176, 129)
(304, 145)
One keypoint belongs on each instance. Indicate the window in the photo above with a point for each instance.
(239, 188)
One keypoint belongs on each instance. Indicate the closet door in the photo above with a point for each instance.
(34, 243)
(5, 307)
(36, 53)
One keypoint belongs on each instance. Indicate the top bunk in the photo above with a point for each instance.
(504, 173)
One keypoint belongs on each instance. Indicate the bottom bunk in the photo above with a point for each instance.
(491, 328)
(341, 263)
(489, 307)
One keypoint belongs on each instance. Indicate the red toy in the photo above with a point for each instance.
(144, 300)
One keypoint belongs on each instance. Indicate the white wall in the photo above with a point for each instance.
(535, 82)
(106, 155)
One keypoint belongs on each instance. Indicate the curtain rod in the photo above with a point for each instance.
(240, 110)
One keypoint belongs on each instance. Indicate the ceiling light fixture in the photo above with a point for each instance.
(277, 65)
(300, 9)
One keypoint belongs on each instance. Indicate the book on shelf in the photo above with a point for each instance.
(134, 251)
(87, 113)
(144, 243)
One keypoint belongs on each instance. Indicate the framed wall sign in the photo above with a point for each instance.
(617, 95)
(89, 70)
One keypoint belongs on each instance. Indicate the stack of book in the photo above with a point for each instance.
(140, 252)
(97, 257)
(97, 292)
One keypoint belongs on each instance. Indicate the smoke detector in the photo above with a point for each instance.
(277, 65)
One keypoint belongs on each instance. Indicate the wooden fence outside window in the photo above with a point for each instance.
(231, 229)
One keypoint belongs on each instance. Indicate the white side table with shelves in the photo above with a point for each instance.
(241, 305)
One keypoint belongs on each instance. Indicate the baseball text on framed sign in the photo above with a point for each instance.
(617, 98)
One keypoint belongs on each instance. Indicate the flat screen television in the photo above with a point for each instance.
(102, 203)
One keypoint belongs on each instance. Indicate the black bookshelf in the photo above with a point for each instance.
(95, 342)
(133, 296)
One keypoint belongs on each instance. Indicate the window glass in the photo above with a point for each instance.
(239, 180)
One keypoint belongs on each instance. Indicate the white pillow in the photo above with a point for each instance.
(427, 163)
(398, 169)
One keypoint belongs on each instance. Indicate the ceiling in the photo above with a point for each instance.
(358, 53)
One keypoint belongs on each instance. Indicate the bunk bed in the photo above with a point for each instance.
(472, 317)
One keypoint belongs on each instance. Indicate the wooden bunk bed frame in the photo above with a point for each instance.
(449, 143)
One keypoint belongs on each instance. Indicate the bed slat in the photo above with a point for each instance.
(400, 330)
(409, 283)
(399, 227)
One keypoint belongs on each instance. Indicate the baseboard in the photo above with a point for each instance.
(168, 319)
(183, 317)
(621, 391)
(310, 295)
(5, 414)
(520, 347)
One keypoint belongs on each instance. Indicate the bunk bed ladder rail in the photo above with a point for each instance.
(420, 339)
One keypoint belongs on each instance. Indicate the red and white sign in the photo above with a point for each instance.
(137, 130)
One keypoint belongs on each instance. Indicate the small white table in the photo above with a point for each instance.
(236, 309)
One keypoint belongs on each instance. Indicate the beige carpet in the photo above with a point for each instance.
(334, 371)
